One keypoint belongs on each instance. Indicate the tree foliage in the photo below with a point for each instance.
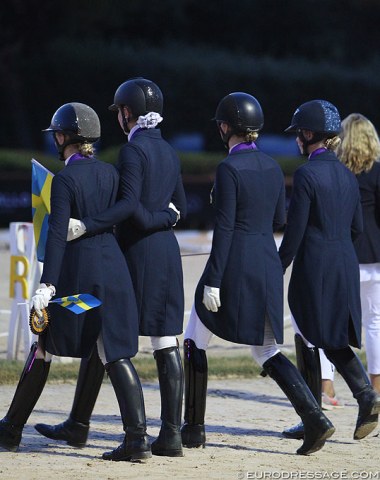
(282, 52)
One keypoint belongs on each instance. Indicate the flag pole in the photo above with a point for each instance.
(33, 160)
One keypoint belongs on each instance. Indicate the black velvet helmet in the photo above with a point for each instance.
(318, 116)
(241, 111)
(140, 95)
(77, 120)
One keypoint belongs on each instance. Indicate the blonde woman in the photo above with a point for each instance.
(360, 152)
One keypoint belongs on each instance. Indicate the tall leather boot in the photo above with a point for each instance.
(196, 373)
(74, 430)
(309, 365)
(28, 391)
(170, 376)
(129, 394)
(318, 427)
(353, 373)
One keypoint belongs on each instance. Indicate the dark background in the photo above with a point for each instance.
(284, 52)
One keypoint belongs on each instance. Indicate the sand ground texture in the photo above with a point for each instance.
(244, 420)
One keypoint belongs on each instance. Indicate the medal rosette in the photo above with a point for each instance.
(39, 324)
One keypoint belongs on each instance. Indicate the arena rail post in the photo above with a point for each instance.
(24, 273)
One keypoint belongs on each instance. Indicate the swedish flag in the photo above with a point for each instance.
(78, 303)
(41, 189)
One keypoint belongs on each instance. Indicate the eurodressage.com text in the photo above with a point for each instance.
(304, 474)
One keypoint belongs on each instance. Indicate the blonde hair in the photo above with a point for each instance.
(332, 143)
(360, 146)
(86, 149)
(251, 136)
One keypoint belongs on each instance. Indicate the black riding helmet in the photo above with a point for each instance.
(140, 95)
(78, 122)
(242, 112)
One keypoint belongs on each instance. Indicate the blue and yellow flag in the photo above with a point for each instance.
(41, 188)
(79, 303)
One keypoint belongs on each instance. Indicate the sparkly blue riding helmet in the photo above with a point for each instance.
(318, 116)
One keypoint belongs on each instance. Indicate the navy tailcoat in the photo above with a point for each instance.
(367, 245)
(249, 197)
(90, 264)
(150, 174)
(323, 219)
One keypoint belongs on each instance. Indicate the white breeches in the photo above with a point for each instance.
(158, 343)
(370, 302)
(201, 336)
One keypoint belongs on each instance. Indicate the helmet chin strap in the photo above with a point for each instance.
(225, 136)
(317, 137)
(305, 143)
(61, 148)
(125, 119)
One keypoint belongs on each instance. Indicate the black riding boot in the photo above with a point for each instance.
(170, 376)
(353, 373)
(196, 372)
(127, 386)
(309, 365)
(318, 427)
(74, 430)
(28, 391)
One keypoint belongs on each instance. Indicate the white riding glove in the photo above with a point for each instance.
(42, 297)
(211, 298)
(173, 207)
(76, 229)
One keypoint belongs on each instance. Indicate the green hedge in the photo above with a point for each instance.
(239, 366)
(192, 163)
